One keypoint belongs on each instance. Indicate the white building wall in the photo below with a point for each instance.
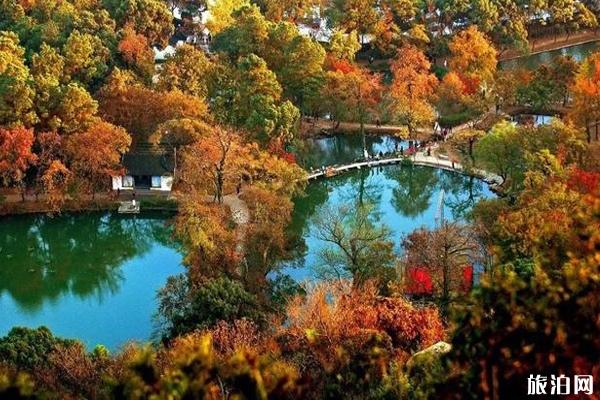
(166, 183)
(116, 183)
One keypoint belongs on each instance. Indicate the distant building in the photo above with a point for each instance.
(146, 168)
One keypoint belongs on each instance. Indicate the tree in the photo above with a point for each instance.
(246, 35)
(16, 92)
(209, 240)
(125, 102)
(221, 14)
(412, 89)
(178, 134)
(542, 90)
(16, 156)
(54, 183)
(352, 93)
(95, 155)
(542, 324)
(251, 98)
(136, 52)
(564, 69)
(297, 62)
(585, 110)
(197, 372)
(359, 249)
(215, 163)
(361, 16)
(77, 110)
(85, 57)
(343, 337)
(27, 349)
(529, 231)
(215, 300)
(473, 57)
(444, 253)
(292, 11)
(267, 241)
(188, 70)
(343, 46)
(150, 18)
(500, 152)
(464, 141)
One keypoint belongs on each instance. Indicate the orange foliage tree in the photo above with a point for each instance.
(95, 154)
(351, 93)
(337, 331)
(140, 110)
(16, 156)
(136, 51)
(585, 90)
(215, 163)
(412, 89)
(473, 58)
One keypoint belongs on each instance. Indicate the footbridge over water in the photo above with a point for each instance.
(420, 159)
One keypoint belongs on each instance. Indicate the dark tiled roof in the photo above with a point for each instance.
(148, 161)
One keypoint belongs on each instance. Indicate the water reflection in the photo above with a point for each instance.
(415, 187)
(578, 52)
(341, 149)
(403, 197)
(43, 258)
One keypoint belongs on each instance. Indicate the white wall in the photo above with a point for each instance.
(166, 183)
(117, 183)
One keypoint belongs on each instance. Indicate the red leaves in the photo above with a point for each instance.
(277, 149)
(583, 181)
(419, 281)
(339, 65)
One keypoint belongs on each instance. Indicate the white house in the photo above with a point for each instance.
(146, 170)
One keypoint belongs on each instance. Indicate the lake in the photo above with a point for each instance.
(90, 276)
(578, 52)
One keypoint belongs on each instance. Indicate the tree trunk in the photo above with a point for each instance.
(587, 132)
(364, 138)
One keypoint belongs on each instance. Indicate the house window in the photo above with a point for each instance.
(155, 183)
(127, 181)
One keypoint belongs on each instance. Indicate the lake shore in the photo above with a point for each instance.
(544, 44)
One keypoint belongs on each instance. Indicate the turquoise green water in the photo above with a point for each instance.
(533, 61)
(94, 276)
(342, 149)
(404, 198)
(90, 276)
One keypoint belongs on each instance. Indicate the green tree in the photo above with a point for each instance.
(85, 57)
(500, 151)
(16, 91)
(220, 299)
(187, 70)
(344, 46)
(251, 98)
(27, 349)
(356, 246)
(246, 35)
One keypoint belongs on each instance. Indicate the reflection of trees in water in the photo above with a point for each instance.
(462, 192)
(416, 185)
(341, 149)
(361, 188)
(42, 258)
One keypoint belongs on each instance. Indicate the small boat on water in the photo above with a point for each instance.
(129, 207)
